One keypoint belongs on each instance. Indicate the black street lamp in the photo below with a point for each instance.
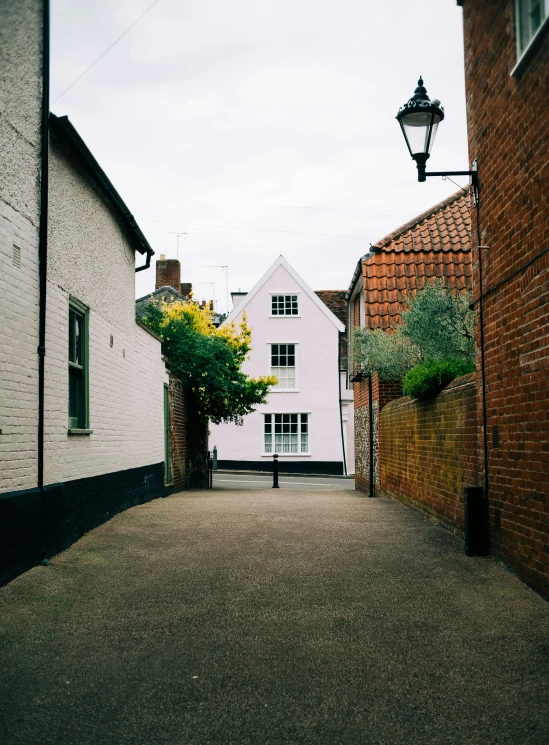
(419, 119)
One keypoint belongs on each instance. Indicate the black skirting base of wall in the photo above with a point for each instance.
(332, 468)
(28, 533)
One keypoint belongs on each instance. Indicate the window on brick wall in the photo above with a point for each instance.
(530, 15)
(284, 305)
(78, 365)
(283, 365)
(286, 434)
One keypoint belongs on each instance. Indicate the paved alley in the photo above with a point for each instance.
(262, 617)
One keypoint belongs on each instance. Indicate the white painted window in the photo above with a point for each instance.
(530, 15)
(286, 433)
(283, 365)
(284, 305)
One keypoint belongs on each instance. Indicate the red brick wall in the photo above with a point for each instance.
(178, 433)
(168, 274)
(428, 451)
(508, 128)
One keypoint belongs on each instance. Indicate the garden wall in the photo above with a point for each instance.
(428, 451)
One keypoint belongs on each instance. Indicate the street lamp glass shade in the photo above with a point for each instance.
(419, 119)
(419, 129)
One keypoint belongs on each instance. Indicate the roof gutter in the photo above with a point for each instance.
(356, 275)
(64, 127)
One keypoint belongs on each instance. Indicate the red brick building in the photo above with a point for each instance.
(436, 244)
(507, 92)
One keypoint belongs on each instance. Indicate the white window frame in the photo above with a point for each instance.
(278, 388)
(285, 294)
(300, 424)
(523, 53)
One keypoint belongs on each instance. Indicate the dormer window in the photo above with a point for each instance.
(284, 305)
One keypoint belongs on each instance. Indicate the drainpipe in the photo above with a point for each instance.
(146, 265)
(43, 262)
(339, 334)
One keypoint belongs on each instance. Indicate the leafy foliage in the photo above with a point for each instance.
(208, 361)
(426, 380)
(389, 354)
(440, 323)
(437, 326)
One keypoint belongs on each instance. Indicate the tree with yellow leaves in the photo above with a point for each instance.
(208, 360)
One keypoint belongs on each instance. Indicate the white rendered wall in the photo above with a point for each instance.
(317, 383)
(91, 259)
(20, 106)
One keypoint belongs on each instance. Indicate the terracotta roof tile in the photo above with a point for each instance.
(437, 243)
(335, 301)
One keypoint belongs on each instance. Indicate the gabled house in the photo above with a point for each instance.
(82, 385)
(435, 244)
(307, 418)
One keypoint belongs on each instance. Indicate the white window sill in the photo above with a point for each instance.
(76, 431)
(287, 455)
(533, 42)
(285, 316)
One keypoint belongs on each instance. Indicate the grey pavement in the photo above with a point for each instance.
(263, 617)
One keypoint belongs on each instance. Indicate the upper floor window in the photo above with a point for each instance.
(78, 365)
(284, 305)
(530, 15)
(283, 364)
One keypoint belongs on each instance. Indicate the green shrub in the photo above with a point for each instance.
(428, 379)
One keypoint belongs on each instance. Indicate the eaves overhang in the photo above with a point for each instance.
(62, 127)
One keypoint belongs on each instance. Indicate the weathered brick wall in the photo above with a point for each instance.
(178, 433)
(508, 127)
(428, 451)
(367, 427)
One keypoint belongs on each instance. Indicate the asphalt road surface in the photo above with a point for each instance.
(260, 481)
(272, 617)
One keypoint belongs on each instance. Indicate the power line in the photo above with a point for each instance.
(105, 52)
(267, 230)
(274, 206)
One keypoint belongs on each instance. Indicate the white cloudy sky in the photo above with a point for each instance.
(261, 127)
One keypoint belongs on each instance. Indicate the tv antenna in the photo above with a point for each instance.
(173, 232)
(226, 269)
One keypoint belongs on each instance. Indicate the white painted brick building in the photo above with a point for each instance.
(104, 378)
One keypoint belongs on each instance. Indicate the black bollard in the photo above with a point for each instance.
(275, 471)
(215, 458)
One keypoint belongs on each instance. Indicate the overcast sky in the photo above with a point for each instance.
(261, 127)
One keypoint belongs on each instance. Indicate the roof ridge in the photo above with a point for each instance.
(420, 218)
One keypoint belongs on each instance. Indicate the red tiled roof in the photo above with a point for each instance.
(335, 301)
(445, 227)
(437, 243)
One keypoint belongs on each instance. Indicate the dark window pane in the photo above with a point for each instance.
(72, 351)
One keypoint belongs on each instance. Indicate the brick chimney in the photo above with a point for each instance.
(168, 273)
(186, 289)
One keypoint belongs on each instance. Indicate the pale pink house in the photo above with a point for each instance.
(308, 417)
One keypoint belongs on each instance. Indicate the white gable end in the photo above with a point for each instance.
(281, 278)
